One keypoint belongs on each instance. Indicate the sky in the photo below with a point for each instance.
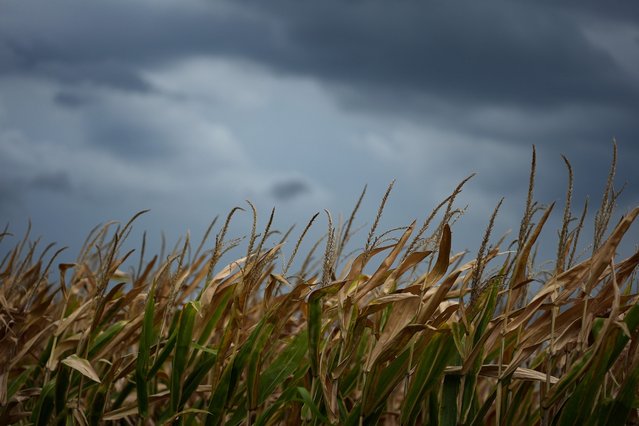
(191, 107)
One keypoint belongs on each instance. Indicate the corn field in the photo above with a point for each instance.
(400, 332)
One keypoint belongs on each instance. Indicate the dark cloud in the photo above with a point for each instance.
(497, 53)
(515, 72)
(120, 76)
(10, 199)
(37, 56)
(55, 181)
(493, 53)
(71, 100)
(14, 189)
(111, 43)
(131, 133)
(289, 189)
(434, 62)
(129, 139)
(615, 12)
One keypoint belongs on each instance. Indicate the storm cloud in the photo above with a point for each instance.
(519, 54)
(112, 107)
(289, 189)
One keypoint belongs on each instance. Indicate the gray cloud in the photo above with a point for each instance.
(121, 76)
(113, 93)
(110, 43)
(15, 189)
(289, 189)
(10, 199)
(503, 53)
(620, 12)
(129, 137)
(497, 53)
(72, 100)
(58, 181)
(435, 62)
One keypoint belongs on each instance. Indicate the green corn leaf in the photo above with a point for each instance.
(114, 293)
(286, 364)
(182, 347)
(226, 385)
(308, 400)
(41, 414)
(383, 382)
(314, 329)
(429, 371)
(61, 388)
(122, 395)
(219, 397)
(353, 417)
(215, 317)
(163, 355)
(210, 323)
(105, 337)
(181, 414)
(205, 362)
(433, 407)
(238, 411)
(254, 364)
(17, 383)
(522, 396)
(582, 401)
(285, 399)
(481, 413)
(450, 396)
(245, 351)
(621, 406)
(487, 302)
(579, 368)
(144, 349)
(97, 406)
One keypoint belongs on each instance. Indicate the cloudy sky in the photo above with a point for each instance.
(189, 108)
